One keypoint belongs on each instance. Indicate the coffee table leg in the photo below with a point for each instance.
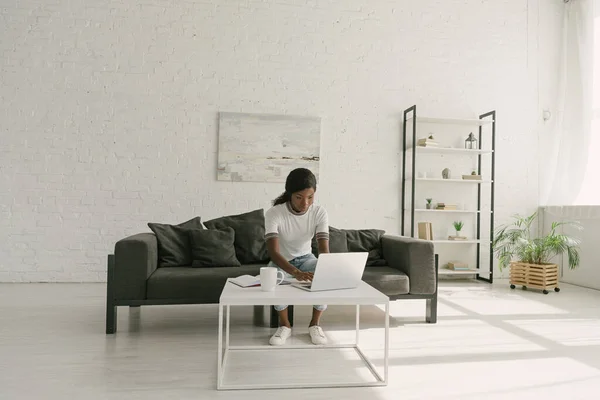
(387, 342)
(220, 348)
(357, 322)
(227, 328)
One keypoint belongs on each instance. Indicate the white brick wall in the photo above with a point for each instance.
(108, 113)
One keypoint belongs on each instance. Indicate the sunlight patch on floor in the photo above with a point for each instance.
(568, 332)
(485, 302)
(547, 378)
(461, 337)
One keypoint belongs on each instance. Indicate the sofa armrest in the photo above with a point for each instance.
(136, 258)
(414, 257)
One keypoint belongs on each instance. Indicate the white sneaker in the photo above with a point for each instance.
(317, 335)
(280, 336)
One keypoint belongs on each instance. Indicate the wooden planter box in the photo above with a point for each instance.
(537, 276)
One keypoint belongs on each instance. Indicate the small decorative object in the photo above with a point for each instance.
(425, 230)
(471, 142)
(458, 266)
(533, 254)
(458, 225)
(446, 206)
(428, 205)
(472, 177)
(428, 142)
(446, 173)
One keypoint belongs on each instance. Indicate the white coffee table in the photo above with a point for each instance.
(234, 295)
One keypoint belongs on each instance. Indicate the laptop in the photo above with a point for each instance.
(336, 271)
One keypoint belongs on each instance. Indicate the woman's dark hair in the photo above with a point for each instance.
(297, 180)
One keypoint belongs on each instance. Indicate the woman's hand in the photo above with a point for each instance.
(303, 276)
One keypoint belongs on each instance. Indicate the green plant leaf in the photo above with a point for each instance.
(514, 241)
(458, 225)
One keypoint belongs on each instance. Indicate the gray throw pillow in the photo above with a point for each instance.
(368, 240)
(174, 243)
(250, 246)
(337, 242)
(213, 248)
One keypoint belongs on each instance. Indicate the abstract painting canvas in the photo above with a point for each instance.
(265, 147)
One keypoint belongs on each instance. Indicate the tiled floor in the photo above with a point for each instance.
(490, 342)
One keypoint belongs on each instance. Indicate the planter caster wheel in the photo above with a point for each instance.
(557, 289)
(524, 287)
(545, 291)
(512, 286)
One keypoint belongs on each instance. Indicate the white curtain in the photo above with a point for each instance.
(587, 274)
(590, 190)
(565, 143)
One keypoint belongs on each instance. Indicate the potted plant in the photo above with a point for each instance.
(458, 225)
(533, 253)
(428, 205)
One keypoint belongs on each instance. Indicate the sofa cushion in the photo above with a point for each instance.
(337, 242)
(206, 284)
(250, 246)
(213, 248)
(202, 284)
(368, 240)
(388, 281)
(174, 243)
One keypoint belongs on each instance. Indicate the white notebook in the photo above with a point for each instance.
(246, 280)
(252, 281)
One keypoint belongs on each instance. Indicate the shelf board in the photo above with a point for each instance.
(470, 241)
(449, 150)
(451, 121)
(446, 211)
(446, 271)
(449, 180)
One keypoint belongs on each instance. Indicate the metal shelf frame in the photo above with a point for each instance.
(410, 120)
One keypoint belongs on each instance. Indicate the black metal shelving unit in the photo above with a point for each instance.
(410, 119)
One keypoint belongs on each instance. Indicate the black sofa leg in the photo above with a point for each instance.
(431, 307)
(275, 316)
(111, 309)
(111, 319)
(431, 311)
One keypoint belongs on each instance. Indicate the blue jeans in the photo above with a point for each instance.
(305, 263)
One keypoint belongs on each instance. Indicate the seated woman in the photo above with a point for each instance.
(290, 225)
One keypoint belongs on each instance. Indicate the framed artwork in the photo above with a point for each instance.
(266, 147)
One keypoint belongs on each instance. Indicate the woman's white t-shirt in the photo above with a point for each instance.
(295, 231)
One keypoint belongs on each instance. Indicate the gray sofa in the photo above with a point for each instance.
(404, 268)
